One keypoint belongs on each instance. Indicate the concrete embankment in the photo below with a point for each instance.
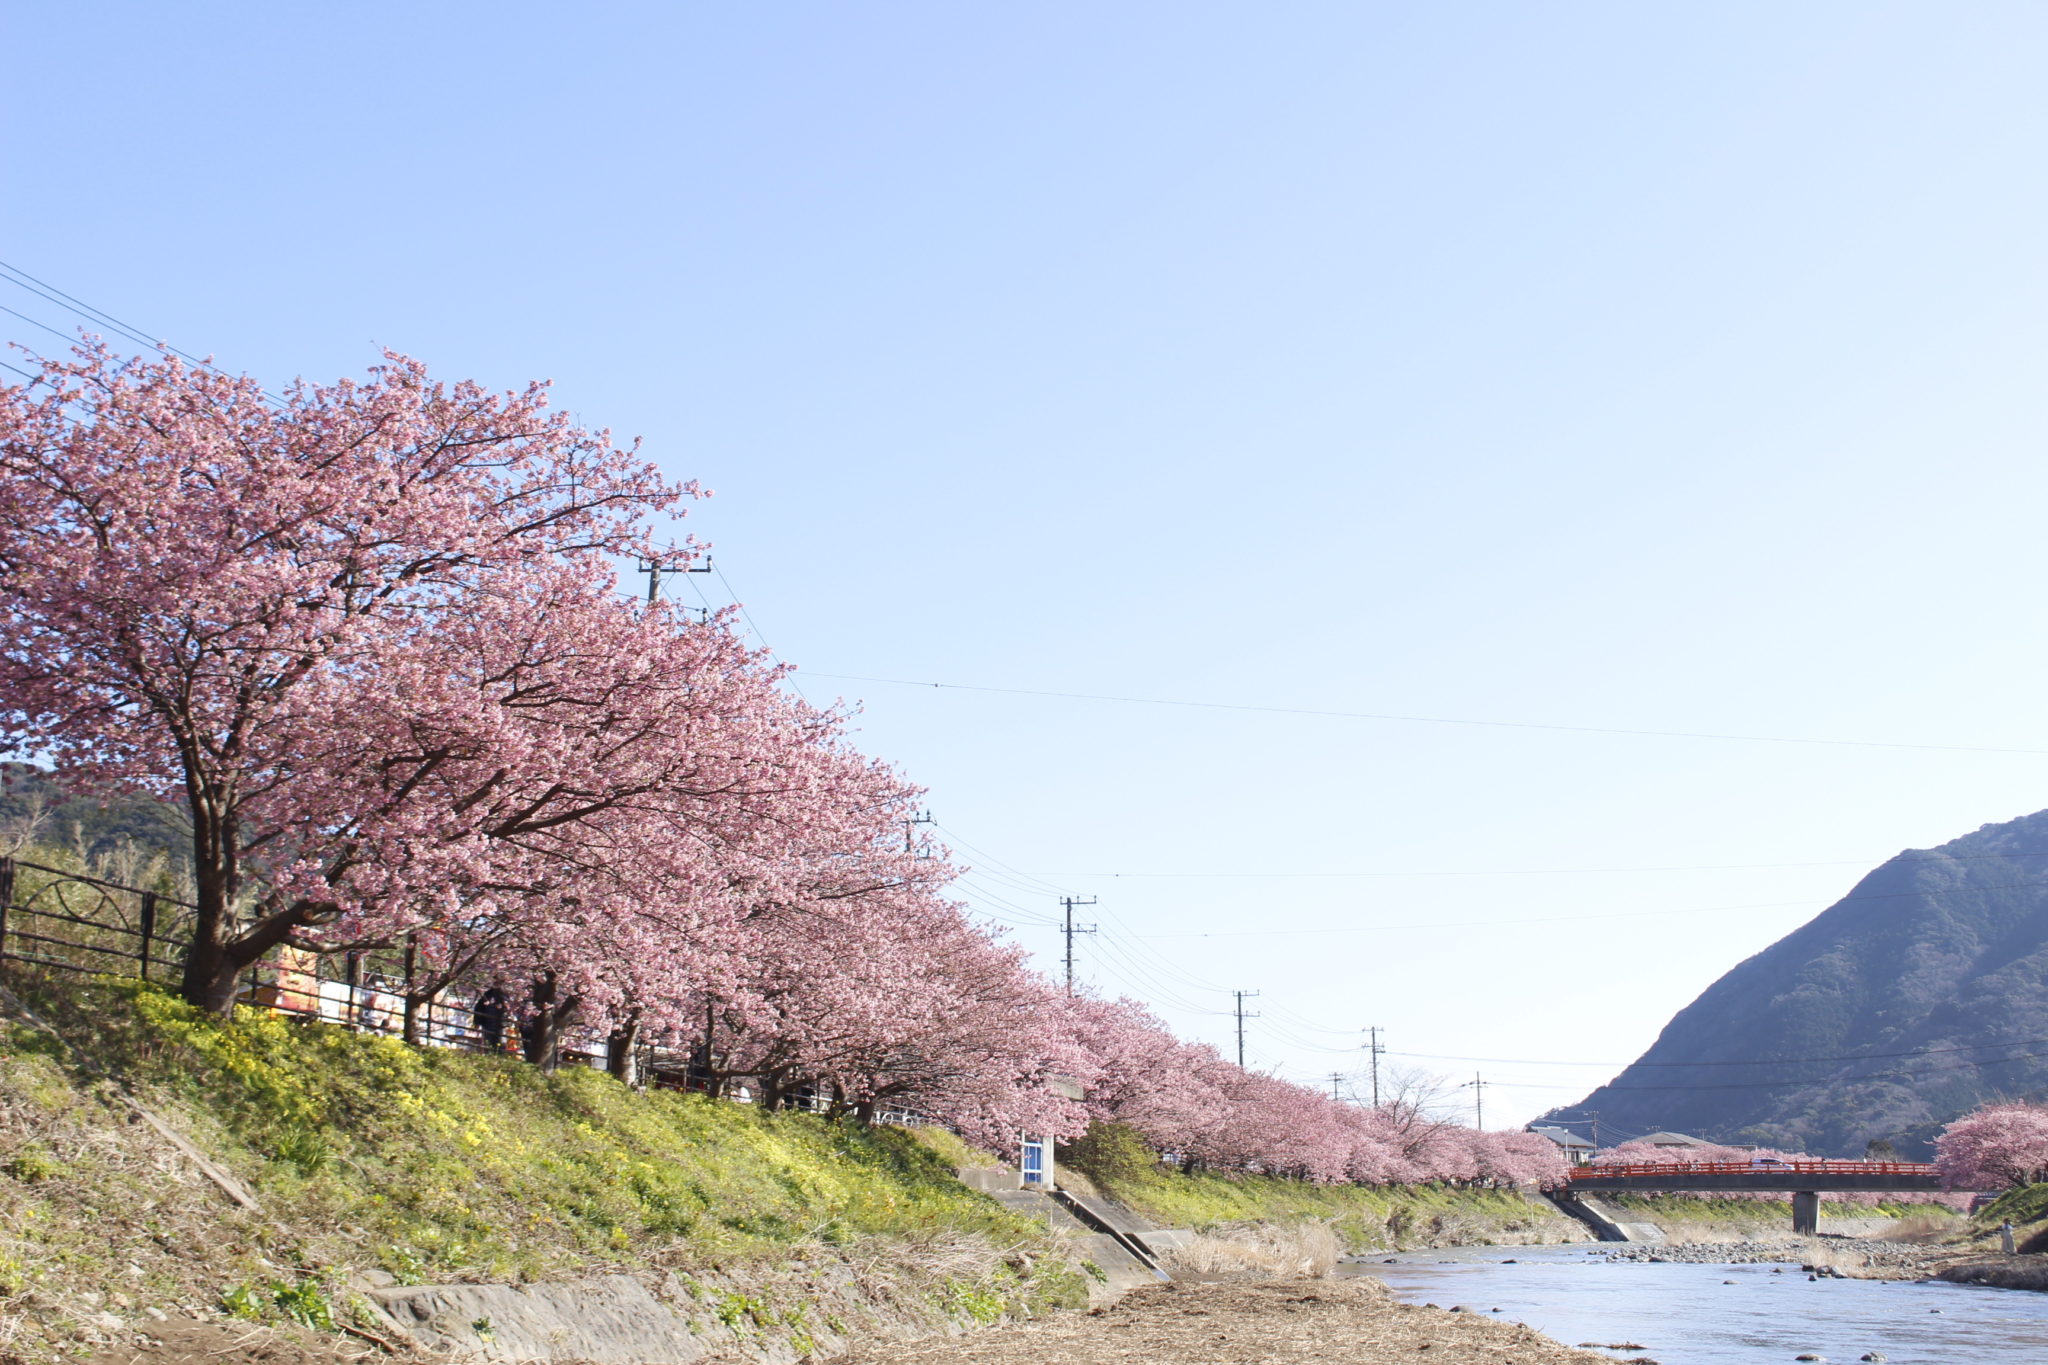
(1608, 1223)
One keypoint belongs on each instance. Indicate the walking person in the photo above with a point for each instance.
(2005, 1237)
(489, 1013)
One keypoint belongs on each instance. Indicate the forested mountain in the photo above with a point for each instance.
(35, 810)
(1919, 994)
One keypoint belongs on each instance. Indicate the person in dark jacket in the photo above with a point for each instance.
(489, 1012)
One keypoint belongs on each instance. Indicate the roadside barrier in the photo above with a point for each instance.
(66, 921)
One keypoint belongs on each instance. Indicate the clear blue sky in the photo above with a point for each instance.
(1643, 367)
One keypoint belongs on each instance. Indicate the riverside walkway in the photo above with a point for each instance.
(1805, 1181)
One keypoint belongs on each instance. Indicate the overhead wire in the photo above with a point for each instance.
(21, 279)
(1136, 971)
(1500, 923)
(1907, 856)
(1435, 720)
(748, 617)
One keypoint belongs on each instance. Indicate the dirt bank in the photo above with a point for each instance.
(1295, 1322)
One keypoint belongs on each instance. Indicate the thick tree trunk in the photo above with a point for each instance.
(210, 970)
(413, 999)
(541, 1034)
(622, 1050)
(221, 950)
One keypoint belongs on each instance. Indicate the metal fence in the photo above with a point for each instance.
(73, 922)
(61, 920)
(68, 921)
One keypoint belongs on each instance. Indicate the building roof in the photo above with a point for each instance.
(1673, 1140)
(1563, 1137)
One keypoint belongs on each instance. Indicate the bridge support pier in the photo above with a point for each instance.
(1806, 1212)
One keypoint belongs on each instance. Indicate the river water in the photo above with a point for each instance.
(1688, 1315)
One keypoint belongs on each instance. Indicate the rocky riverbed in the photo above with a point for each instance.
(1858, 1258)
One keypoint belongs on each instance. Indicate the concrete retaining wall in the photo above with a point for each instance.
(614, 1320)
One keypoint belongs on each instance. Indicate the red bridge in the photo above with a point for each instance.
(1805, 1181)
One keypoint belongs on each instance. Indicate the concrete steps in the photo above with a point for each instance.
(1123, 1245)
(1609, 1224)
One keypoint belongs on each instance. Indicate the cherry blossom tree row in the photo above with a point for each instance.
(369, 637)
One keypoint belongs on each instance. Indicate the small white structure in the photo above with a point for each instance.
(1034, 1150)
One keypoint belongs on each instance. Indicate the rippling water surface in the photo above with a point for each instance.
(1687, 1315)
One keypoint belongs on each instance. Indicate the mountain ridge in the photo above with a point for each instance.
(1917, 996)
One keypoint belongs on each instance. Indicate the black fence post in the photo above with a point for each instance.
(355, 974)
(6, 899)
(148, 928)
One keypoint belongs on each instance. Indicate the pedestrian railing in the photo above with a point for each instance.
(1755, 1166)
(61, 920)
(69, 921)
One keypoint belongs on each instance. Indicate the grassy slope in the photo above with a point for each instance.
(1364, 1217)
(1684, 1214)
(430, 1166)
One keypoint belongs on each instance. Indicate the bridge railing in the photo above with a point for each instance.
(1678, 1169)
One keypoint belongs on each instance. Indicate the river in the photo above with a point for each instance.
(1690, 1315)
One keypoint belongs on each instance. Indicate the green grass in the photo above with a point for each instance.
(1364, 1217)
(432, 1165)
(2024, 1204)
(1772, 1212)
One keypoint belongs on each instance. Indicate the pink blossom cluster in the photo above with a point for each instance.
(1189, 1101)
(1995, 1147)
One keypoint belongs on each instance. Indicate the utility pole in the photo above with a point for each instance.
(1374, 1049)
(1478, 1088)
(1072, 929)
(1335, 1076)
(656, 567)
(910, 830)
(1243, 996)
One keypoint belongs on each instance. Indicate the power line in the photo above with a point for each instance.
(1432, 720)
(955, 835)
(971, 889)
(1782, 1084)
(1751, 1061)
(1910, 856)
(1129, 970)
(1470, 924)
(1557, 919)
(21, 279)
(55, 332)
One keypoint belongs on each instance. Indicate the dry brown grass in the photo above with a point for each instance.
(1265, 1251)
(1921, 1229)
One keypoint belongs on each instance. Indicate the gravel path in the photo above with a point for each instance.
(1292, 1322)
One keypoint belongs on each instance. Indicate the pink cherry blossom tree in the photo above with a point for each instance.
(1994, 1147)
(197, 580)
